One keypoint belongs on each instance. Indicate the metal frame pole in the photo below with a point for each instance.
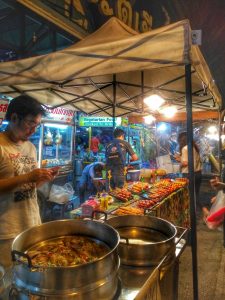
(221, 117)
(142, 91)
(114, 101)
(220, 143)
(188, 88)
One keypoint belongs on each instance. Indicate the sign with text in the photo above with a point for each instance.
(60, 115)
(98, 121)
(3, 108)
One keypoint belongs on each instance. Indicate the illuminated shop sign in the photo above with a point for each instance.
(136, 126)
(3, 108)
(60, 114)
(98, 121)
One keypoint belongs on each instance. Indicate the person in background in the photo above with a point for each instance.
(183, 158)
(173, 146)
(218, 184)
(94, 144)
(87, 186)
(19, 175)
(116, 158)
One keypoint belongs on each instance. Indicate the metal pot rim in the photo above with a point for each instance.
(2, 272)
(150, 217)
(69, 221)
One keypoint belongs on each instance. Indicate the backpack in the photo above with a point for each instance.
(114, 154)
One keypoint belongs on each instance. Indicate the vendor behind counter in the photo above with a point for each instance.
(87, 185)
(116, 152)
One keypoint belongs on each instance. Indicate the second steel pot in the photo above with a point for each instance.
(144, 240)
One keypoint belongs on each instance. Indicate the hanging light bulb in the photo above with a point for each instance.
(34, 38)
(149, 119)
(212, 129)
(169, 111)
(154, 101)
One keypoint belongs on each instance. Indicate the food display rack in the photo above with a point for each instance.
(173, 208)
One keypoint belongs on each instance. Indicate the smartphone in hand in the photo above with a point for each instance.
(55, 170)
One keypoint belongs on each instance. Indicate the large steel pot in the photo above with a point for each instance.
(144, 240)
(94, 280)
(2, 283)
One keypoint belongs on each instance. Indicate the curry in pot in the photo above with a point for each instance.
(66, 251)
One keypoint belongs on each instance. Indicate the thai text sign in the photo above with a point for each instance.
(60, 114)
(3, 108)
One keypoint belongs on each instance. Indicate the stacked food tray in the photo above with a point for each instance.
(141, 198)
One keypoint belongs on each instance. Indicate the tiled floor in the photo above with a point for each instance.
(211, 266)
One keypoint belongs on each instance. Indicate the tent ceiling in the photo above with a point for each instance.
(81, 76)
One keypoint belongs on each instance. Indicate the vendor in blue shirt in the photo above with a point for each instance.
(87, 185)
(116, 158)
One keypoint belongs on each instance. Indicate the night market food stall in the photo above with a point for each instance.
(110, 72)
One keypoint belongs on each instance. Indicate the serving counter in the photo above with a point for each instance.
(159, 282)
(173, 208)
(151, 281)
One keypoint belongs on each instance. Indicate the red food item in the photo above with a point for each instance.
(145, 203)
(122, 194)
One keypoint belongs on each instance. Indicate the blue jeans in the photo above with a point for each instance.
(117, 181)
(86, 188)
(198, 180)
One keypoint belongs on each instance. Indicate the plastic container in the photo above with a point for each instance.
(133, 175)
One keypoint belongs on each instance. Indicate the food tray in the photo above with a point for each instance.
(151, 196)
(138, 192)
(116, 196)
(131, 209)
(147, 206)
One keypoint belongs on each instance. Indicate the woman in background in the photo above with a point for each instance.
(183, 158)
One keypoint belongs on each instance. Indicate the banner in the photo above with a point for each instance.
(60, 115)
(98, 121)
(3, 108)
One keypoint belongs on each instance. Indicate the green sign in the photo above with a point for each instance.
(98, 121)
(136, 126)
(124, 122)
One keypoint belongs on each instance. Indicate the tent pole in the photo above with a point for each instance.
(188, 87)
(114, 100)
(142, 91)
(221, 116)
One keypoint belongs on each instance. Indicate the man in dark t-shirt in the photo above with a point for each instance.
(116, 158)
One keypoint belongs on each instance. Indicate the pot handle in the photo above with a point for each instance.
(179, 237)
(150, 211)
(125, 239)
(99, 212)
(15, 255)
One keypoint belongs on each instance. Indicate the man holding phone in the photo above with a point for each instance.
(19, 175)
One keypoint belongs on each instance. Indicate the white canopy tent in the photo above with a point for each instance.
(110, 71)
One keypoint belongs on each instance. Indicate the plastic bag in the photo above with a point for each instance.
(61, 194)
(217, 211)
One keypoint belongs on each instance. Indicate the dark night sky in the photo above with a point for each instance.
(207, 15)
